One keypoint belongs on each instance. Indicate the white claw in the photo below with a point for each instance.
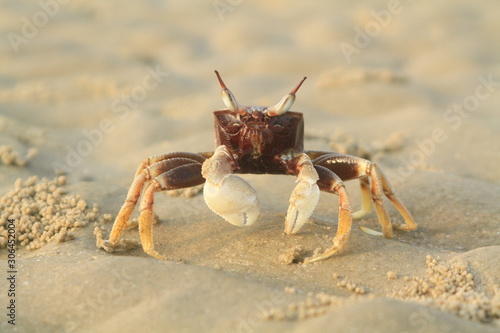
(303, 200)
(233, 199)
(304, 197)
(226, 194)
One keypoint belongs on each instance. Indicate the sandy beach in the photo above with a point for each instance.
(89, 89)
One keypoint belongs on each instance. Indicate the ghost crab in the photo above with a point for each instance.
(259, 140)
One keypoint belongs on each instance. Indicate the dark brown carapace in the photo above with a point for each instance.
(255, 139)
(260, 138)
(260, 142)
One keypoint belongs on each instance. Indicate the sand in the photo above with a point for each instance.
(88, 89)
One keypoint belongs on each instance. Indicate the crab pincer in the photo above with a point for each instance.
(226, 194)
(304, 197)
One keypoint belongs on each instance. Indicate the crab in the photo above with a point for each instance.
(260, 140)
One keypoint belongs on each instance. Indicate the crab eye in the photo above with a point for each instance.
(228, 98)
(282, 106)
(286, 102)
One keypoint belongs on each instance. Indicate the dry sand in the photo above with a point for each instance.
(88, 89)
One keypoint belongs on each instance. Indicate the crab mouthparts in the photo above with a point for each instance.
(256, 142)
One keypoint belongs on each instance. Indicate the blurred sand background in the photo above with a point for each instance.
(90, 88)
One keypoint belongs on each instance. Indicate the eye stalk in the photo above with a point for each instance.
(281, 107)
(228, 98)
(286, 102)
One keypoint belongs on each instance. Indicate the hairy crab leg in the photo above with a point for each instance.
(162, 157)
(168, 171)
(304, 197)
(315, 154)
(184, 175)
(146, 220)
(122, 219)
(377, 196)
(410, 223)
(352, 167)
(330, 182)
(148, 169)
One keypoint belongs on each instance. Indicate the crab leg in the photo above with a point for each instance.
(330, 182)
(148, 169)
(146, 220)
(351, 167)
(410, 223)
(162, 172)
(185, 175)
(366, 199)
(147, 162)
(377, 196)
(304, 197)
(122, 219)
(226, 194)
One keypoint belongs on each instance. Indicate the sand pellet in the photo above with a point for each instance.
(42, 212)
(292, 255)
(312, 306)
(450, 287)
(351, 286)
(10, 157)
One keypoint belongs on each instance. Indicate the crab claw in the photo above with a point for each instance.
(303, 200)
(304, 197)
(226, 194)
(233, 199)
